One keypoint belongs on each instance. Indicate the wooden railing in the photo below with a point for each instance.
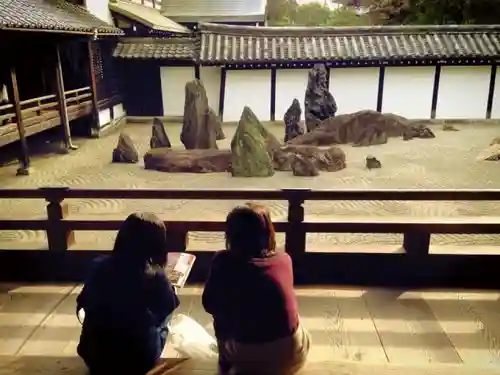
(156, 4)
(416, 241)
(6, 114)
(78, 96)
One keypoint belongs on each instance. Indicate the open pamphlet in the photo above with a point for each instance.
(179, 266)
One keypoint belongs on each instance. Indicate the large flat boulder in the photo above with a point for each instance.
(199, 127)
(319, 103)
(329, 160)
(250, 148)
(363, 128)
(188, 161)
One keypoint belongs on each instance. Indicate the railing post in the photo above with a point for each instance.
(58, 237)
(295, 238)
(177, 241)
(416, 243)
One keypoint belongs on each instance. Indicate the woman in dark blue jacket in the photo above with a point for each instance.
(127, 301)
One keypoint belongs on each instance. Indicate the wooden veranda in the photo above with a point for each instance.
(48, 75)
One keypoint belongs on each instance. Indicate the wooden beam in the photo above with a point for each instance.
(491, 92)
(435, 91)
(63, 108)
(24, 158)
(222, 92)
(273, 94)
(380, 95)
(94, 126)
(197, 74)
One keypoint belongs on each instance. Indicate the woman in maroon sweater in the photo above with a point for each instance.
(250, 295)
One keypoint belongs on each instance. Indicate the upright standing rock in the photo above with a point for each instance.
(249, 147)
(293, 126)
(125, 151)
(197, 131)
(159, 137)
(215, 122)
(319, 103)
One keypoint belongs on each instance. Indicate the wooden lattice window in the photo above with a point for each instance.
(107, 80)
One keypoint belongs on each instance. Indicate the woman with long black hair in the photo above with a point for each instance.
(127, 301)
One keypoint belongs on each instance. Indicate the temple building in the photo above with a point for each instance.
(104, 60)
(49, 76)
(420, 72)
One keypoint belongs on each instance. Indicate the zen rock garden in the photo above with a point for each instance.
(308, 148)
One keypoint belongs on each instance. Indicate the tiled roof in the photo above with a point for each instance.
(156, 48)
(55, 15)
(221, 44)
(147, 16)
(214, 10)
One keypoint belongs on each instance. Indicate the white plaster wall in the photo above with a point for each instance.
(104, 117)
(100, 9)
(290, 84)
(173, 88)
(463, 92)
(408, 91)
(250, 88)
(118, 111)
(210, 76)
(495, 109)
(354, 89)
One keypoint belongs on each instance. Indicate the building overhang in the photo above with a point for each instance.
(248, 45)
(147, 16)
(175, 49)
(56, 16)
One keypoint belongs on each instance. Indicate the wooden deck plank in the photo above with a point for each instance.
(408, 329)
(59, 333)
(340, 326)
(463, 323)
(22, 310)
(42, 365)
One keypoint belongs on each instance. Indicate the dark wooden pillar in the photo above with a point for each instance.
(491, 91)
(435, 91)
(94, 127)
(222, 92)
(273, 94)
(380, 94)
(63, 108)
(24, 158)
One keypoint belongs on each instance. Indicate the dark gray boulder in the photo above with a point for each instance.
(125, 151)
(159, 137)
(198, 132)
(293, 126)
(319, 103)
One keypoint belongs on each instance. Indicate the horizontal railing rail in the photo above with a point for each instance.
(416, 232)
(414, 265)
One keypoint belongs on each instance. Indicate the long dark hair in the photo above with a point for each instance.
(250, 231)
(142, 240)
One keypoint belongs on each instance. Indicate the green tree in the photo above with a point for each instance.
(281, 12)
(435, 11)
(289, 13)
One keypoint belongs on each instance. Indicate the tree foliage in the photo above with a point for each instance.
(290, 13)
(395, 12)
(435, 11)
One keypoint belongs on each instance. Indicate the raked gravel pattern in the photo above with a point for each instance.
(448, 161)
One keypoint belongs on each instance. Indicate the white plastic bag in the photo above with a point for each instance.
(190, 339)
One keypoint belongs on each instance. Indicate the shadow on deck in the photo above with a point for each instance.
(354, 332)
